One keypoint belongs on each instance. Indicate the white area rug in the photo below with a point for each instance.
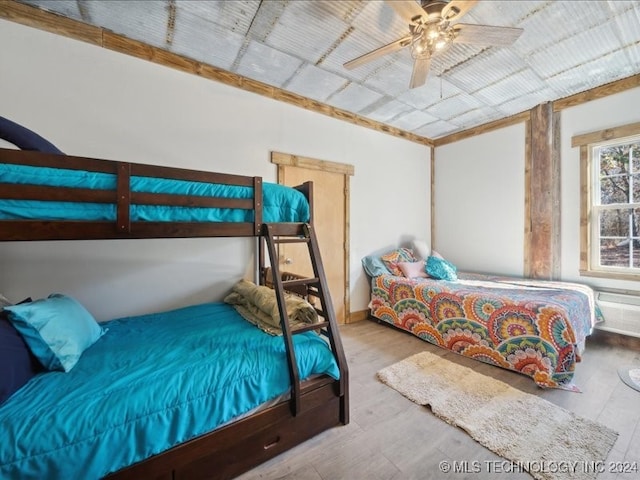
(541, 438)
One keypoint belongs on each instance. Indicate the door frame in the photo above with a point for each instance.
(283, 160)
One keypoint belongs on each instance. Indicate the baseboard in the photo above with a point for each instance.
(358, 316)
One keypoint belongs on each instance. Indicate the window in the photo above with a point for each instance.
(610, 204)
(615, 213)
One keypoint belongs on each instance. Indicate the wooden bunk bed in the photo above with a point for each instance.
(314, 405)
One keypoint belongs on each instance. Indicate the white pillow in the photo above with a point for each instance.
(421, 249)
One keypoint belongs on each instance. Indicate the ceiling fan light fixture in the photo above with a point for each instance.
(431, 40)
(433, 33)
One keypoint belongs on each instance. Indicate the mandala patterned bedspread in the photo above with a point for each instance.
(533, 327)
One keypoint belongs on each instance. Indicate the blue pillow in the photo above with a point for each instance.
(441, 269)
(57, 329)
(17, 364)
(25, 139)
(374, 266)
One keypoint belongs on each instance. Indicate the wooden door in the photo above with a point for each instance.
(330, 219)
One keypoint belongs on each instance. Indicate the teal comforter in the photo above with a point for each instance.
(280, 203)
(151, 382)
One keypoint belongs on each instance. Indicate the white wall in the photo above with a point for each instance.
(479, 192)
(93, 102)
(612, 111)
(479, 201)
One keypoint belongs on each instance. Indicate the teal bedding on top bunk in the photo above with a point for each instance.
(281, 203)
(149, 383)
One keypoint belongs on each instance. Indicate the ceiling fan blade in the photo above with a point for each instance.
(420, 71)
(486, 34)
(407, 9)
(367, 57)
(455, 9)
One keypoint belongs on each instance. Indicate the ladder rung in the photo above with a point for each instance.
(311, 326)
(300, 281)
(291, 240)
(286, 229)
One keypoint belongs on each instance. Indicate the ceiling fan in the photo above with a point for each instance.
(433, 28)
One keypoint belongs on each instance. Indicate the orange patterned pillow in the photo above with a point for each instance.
(392, 259)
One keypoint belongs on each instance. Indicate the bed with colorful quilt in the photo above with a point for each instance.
(537, 328)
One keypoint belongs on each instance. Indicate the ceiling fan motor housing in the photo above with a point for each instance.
(433, 8)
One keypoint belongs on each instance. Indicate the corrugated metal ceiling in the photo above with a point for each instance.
(301, 46)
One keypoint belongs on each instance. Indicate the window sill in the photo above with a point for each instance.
(634, 277)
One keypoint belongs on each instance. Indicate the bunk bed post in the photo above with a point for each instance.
(307, 189)
(257, 227)
(123, 192)
(257, 205)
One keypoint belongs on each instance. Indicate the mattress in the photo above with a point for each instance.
(280, 203)
(149, 383)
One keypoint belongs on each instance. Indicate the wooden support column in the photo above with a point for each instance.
(542, 247)
(556, 165)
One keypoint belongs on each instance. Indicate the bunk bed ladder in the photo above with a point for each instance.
(315, 286)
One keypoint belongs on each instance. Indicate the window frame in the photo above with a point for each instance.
(589, 187)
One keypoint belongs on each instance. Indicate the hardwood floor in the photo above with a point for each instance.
(390, 437)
